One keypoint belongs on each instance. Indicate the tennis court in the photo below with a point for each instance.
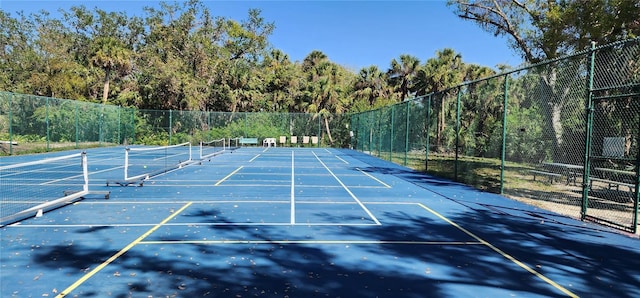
(301, 222)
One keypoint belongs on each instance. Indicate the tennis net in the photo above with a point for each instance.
(234, 143)
(142, 163)
(31, 188)
(212, 148)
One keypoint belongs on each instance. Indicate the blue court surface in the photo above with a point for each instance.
(306, 222)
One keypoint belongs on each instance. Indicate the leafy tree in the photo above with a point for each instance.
(402, 73)
(542, 30)
(111, 56)
(372, 87)
(442, 72)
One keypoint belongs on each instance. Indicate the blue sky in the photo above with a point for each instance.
(354, 34)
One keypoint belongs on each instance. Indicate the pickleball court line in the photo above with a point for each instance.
(229, 176)
(120, 253)
(286, 241)
(348, 191)
(374, 178)
(338, 157)
(293, 191)
(501, 252)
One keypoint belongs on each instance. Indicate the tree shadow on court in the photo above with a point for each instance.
(258, 268)
(587, 259)
(577, 258)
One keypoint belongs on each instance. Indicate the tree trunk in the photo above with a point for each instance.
(553, 100)
(326, 124)
(105, 89)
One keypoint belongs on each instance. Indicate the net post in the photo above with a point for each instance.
(85, 172)
(126, 163)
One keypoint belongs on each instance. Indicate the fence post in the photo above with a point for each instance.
(77, 124)
(428, 127)
(455, 172)
(393, 114)
(588, 135)
(320, 128)
(379, 111)
(46, 117)
(133, 125)
(11, 124)
(504, 132)
(406, 137)
(170, 126)
(119, 126)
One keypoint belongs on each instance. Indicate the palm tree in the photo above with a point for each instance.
(370, 85)
(444, 71)
(111, 55)
(402, 73)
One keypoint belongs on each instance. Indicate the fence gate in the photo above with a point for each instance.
(610, 193)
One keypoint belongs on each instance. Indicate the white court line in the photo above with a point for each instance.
(254, 158)
(193, 224)
(374, 178)
(353, 242)
(349, 191)
(338, 157)
(293, 183)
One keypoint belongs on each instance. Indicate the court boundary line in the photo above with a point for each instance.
(181, 224)
(338, 157)
(348, 191)
(121, 252)
(228, 176)
(374, 178)
(501, 252)
(293, 195)
(354, 242)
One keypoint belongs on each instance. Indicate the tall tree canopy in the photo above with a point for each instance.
(542, 30)
(180, 56)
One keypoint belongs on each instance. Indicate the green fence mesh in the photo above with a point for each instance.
(41, 124)
(561, 135)
(30, 124)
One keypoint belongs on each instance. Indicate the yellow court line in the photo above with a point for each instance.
(227, 177)
(120, 253)
(502, 253)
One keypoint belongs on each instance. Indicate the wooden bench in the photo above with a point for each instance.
(248, 141)
(612, 183)
(550, 175)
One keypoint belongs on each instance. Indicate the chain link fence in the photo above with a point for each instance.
(32, 124)
(560, 135)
